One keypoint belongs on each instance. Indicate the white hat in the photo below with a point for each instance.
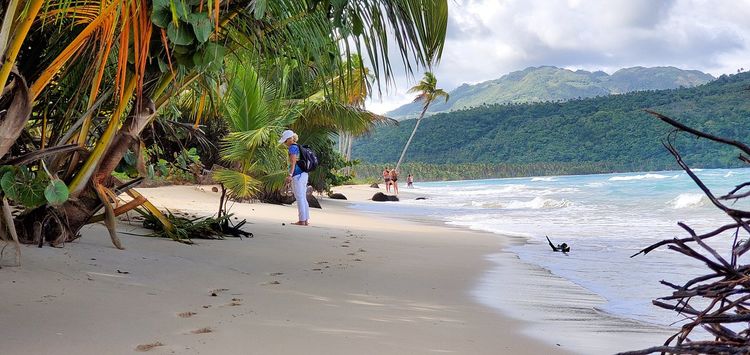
(286, 135)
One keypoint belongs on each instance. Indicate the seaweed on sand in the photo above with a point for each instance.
(187, 229)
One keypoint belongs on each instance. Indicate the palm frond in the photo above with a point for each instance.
(239, 184)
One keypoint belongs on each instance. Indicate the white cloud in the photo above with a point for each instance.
(489, 38)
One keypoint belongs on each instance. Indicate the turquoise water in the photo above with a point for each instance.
(604, 218)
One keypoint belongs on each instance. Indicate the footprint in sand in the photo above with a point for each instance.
(357, 259)
(147, 347)
(344, 246)
(186, 314)
(235, 302)
(272, 283)
(203, 330)
(361, 250)
(352, 254)
(217, 291)
(276, 274)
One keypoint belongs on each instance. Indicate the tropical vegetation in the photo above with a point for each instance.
(586, 136)
(90, 86)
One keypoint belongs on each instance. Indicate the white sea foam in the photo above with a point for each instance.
(638, 177)
(539, 203)
(545, 178)
(729, 174)
(482, 191)
(688, 200)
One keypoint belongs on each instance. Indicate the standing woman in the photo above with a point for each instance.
(297, 177)
(394, 180)
(387, 180)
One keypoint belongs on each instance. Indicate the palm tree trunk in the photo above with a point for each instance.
(403, 153)
(10, 13)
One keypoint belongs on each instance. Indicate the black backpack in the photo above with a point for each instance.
(307, 160)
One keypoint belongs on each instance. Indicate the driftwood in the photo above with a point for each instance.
(719, 301)
(564, 247)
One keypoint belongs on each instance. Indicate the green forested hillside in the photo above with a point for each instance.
(537, 84)
(611, 130)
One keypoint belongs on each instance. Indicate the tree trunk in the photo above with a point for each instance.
(403, 153)
(62, 224)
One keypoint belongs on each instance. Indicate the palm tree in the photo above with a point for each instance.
(428, 92)
(111, 65)
(256, 110)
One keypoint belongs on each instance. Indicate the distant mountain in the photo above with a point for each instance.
(538, 84)
(611, 131)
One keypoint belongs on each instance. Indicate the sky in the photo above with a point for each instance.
(487, 39)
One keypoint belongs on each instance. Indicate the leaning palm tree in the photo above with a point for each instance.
(428, 92)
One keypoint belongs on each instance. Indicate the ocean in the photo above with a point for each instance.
(604, 218)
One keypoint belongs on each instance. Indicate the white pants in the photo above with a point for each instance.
(299, 186)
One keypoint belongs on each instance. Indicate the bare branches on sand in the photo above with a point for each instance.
(719, 301)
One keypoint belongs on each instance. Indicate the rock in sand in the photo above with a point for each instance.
(381, 197)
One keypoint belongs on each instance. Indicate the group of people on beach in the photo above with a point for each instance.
(390, 178)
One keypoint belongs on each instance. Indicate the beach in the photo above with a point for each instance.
(351, 283)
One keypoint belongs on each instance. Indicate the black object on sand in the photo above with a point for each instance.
(565, 248)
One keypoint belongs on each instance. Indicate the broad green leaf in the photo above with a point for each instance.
(184, 59)
(180, 34)
(56, 192)
(202, 26)
(22, 187)
(260, 9)
(161, 14)
(211, 57)
(8, 183)
(182, 50)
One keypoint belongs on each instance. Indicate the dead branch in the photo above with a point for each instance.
(721, 297)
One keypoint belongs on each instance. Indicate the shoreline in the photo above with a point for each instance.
(351, 283)
(549, 318)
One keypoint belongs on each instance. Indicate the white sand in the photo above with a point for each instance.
(349, 284)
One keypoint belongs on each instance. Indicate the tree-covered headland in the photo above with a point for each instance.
(595, 135)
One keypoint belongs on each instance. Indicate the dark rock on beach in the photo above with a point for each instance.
(421, 198)
(287, 199)
(312, 201)
(337, 196)
(381, 197)
(375, 186)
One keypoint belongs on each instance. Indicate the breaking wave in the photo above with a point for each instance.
(688, 200)
(638, 177)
